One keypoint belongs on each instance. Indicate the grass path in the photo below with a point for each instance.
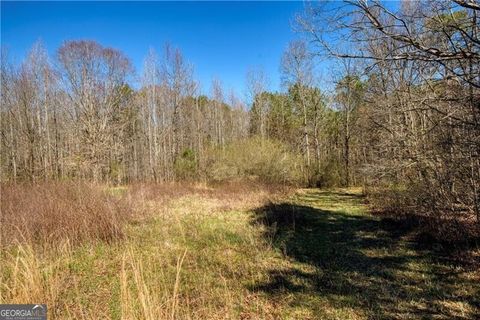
(346, 264)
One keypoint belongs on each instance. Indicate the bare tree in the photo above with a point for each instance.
(94, 77)
(422, 71)
(257, 83)
(297, 70)
(177, 78)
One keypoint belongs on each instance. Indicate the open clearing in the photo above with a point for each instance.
(259, 160)
(313, 255)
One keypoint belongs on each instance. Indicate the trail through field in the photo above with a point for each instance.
(344, 263)
(312, 255)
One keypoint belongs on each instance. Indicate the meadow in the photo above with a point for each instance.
(232, 251)
(241, 160)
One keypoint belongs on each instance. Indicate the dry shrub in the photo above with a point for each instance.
(247, 194)
(160, 192)
(415, 206)
(49, 213)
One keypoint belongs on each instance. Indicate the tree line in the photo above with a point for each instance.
(418, 108)
(402, 113)
(78, 116)
(83, 119)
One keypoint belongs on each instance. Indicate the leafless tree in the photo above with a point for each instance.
(94, 78)
(297, 70)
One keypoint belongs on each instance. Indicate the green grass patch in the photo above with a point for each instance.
(359, 266)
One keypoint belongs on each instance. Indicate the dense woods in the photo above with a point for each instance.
(400, 116)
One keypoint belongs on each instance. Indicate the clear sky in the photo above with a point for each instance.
(221, 39)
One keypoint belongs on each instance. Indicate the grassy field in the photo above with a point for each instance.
(246, 255)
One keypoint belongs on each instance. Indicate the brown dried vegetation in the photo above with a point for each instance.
(49, 213)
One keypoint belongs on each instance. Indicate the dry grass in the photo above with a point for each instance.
(50, 213)
(232, 194)
(32, 276)
(240, 252)
(187, 255)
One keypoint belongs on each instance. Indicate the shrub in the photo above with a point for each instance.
(49, 213)
(426, 208)
(266, 160)
(186, 165)
(328, 175)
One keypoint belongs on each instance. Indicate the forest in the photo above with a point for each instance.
(86, 137)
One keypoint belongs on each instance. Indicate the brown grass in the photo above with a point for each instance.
(229, 195)
(50, 213)
(223, 252)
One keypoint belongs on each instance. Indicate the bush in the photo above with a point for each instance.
(266, 160)
(49, 213)
(186, 165)
(329, 174)
(426, 208)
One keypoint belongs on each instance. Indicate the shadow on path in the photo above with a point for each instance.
(339, 259)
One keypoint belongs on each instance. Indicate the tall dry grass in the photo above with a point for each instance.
(138, 299)
(26, 277)
(190, 256)
(50, 213)
(233, 194)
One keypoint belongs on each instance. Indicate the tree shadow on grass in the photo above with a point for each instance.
(342, 260)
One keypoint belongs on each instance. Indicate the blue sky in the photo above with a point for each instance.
(221, 39)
